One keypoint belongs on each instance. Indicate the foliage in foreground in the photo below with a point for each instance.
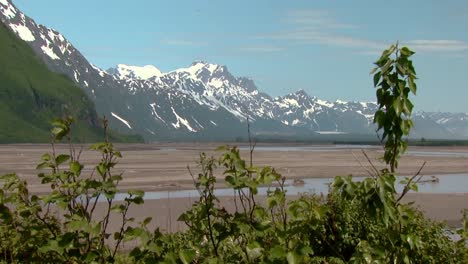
(358, 222)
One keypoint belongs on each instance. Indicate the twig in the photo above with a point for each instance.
(362, 166)
(122, 228)
(79, 152)
(406, 189)
(194, 181)
(251, 146)
(370, 162)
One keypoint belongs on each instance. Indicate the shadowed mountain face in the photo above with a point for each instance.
(204, 100)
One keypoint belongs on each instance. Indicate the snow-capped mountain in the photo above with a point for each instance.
(203, 99)
(123, 71)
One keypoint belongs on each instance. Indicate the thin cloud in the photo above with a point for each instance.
(314, 26)
(437, 45)
(312, 36)
(373, 53)
(315, 18)
(319, 27)
(262, 49)
(183, 42)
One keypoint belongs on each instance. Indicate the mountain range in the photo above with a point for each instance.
(204, 100)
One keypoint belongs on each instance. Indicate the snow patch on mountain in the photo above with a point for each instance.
(123, 71)
(291, 102)
(100, 72)
(155, 113)
(217, 83)
(325, 103)
(23, 32)
(150, 131)
(122, 120)
(182, 121)
(190, 71)
(49, 52)
(7, 9)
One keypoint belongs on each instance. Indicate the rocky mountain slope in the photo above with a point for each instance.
(204, 100)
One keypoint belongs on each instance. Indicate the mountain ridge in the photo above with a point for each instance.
(203, 100)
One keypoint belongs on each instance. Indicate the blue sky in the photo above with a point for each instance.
(324, 47)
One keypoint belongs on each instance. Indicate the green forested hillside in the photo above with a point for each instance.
(31, 96)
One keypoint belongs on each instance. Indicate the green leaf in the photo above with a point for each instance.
(5, 213)
(46, 157)
(91, 256)
(397, 107)
(75, 167)
(137, 193)
(412, 85)
(98, 146)
(377, 78)
(379, 118)
(137, 200)
(146, 221)
(187, 256)
(119, 208)
(61, 159)
(44, 165)
(385, 68)
(59, 132)
(277, 252)
(101, 169)
(116, 177)
(406, 52)
(292, 258)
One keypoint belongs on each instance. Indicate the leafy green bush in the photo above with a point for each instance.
(61, 226)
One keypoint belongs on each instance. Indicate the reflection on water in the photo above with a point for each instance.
(320, 148)
(448, 183)
(438, 154)
(309, 148)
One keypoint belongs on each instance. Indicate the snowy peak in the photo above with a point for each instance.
(200, 70)
(7, 9)
(301, 95)
(16, 20)
(50, 42)
(296, 99)
(202, 65)
(122, 71)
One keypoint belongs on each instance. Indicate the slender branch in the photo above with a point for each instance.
(251, 145)
(406, 189)
(194, 180)
(122, 228)
(371, 163)
(362, 166)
